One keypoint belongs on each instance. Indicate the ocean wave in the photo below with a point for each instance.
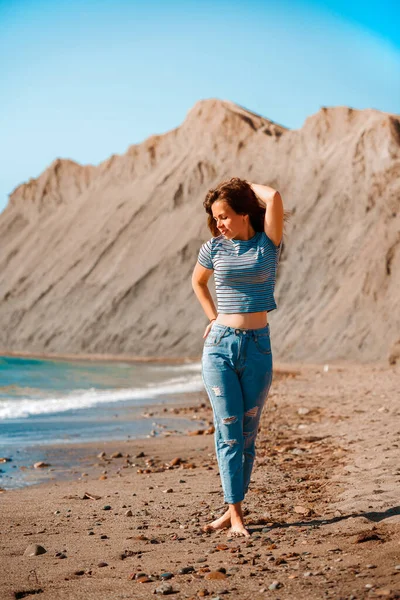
(194, 367)
(80, 399)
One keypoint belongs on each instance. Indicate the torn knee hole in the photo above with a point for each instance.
(231, 442)
(229, 420)
(252, 412)
(217, 390)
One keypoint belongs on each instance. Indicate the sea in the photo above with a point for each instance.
(53, 402)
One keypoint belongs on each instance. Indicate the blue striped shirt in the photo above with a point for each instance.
(244, 272)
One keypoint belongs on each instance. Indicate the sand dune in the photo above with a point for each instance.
(99, 259)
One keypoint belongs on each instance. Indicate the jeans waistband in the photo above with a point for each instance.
(239, 331)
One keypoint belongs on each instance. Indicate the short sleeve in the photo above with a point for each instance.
(276, 249)
(204, 257)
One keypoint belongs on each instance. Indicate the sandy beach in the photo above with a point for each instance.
(323, 507)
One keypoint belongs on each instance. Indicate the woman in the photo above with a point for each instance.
(246, 221)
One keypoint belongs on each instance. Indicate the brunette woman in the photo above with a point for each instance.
(246, 222)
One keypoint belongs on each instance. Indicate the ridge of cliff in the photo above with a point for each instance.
(99, 258)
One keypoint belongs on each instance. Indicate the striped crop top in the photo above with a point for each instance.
(244, 272)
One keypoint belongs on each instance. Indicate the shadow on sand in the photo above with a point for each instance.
(373, 516)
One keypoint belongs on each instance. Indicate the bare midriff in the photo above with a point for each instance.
(255, 320)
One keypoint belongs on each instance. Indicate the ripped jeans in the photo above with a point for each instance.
(237, 374)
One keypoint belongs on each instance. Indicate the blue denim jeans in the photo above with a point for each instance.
(237, 374)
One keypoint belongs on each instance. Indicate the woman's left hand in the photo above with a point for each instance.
(207, 330)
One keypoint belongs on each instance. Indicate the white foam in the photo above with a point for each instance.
(190, 367)
(79, 399)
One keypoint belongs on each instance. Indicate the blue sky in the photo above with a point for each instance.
(83, 80)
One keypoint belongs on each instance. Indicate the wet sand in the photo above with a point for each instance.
(323, 507)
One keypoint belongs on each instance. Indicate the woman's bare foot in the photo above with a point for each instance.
(220, 523)
(238, 528)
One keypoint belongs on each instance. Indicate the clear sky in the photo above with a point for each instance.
(85, 79)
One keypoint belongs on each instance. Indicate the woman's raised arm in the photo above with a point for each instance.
(274, 213)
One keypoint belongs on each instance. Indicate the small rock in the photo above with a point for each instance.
(129, 513)
(80, 572)
(164, 589)
(168, 491)
(101, 455)
(34, 550)
(102, 564)
(303, 411)
(143, 579)
(215, 575)
(87, 496)
(107, 507)
(116, 455)
(185, 570)
(41, 465)
(5, 459)
(275, 585)
(166, 575)
(175, 461)
(140, 455)
(301, 510)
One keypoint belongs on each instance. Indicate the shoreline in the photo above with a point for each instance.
(187, 407)
(130, 358)
(322, 507)
(98, 357)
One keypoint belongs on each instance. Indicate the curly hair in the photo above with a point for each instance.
(239, 195)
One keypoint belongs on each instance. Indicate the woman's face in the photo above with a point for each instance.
(229, 223)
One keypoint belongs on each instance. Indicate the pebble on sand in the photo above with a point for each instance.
(186, 570)
(275, 585)
(34, 550)
(215, 575)
(41, 465)
(164, 589)
(301, 510)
